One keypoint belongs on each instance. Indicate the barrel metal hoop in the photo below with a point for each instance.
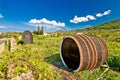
(80, 50)
(89, 54)
(84, 40)
(103, 51)
(93, 50)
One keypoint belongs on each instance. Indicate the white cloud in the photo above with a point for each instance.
(99, 15)
(90, 17)
(49, 25)
(1, 16)
(77, 19)
(103, 14)
(44, 21)
(107, 12)
(82, 19)
(2, 27)
(46, 26)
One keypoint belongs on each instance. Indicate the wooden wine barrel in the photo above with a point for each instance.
(27, 37)
(80, 52)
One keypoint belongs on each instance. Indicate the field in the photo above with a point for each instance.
(38, 57)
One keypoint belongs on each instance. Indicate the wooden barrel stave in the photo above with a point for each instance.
(88, 52)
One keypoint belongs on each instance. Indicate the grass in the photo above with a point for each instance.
(34, 57)
(45, 51)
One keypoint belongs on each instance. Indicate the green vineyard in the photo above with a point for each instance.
(37, 59)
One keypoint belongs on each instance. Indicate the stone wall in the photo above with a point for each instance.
(2, 45)
(13, 44)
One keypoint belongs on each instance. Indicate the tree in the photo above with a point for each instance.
(42, 30)
(39, 31)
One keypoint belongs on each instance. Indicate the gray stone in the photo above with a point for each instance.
(27, 37)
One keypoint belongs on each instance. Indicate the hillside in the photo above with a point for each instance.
(35, 60)
(101, 30)
(109, 31)
(115, 24)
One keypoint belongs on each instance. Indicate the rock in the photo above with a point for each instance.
(27, 37)
(24, 76)
(13, 44)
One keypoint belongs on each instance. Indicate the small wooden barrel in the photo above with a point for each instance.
(80, 52)
(27, 37)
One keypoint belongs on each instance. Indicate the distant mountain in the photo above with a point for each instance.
(115, 24)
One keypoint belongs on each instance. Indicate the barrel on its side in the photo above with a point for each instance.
(27, 37)
(80, 52)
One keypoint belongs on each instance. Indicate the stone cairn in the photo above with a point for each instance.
(27, 37)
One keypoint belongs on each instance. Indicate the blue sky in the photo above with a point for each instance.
(20, 15)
